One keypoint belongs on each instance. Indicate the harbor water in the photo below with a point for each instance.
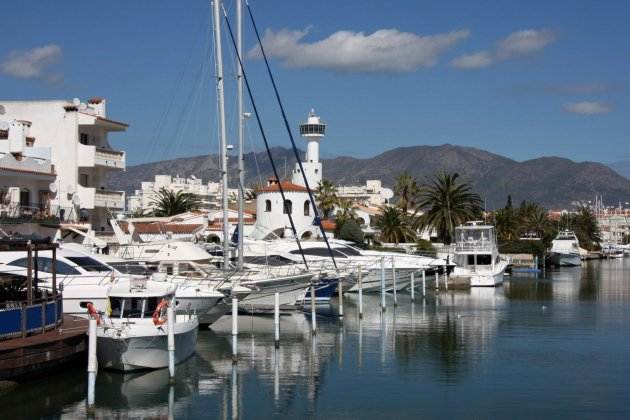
(553, 346)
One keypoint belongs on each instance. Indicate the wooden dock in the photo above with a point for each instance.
(36, 354)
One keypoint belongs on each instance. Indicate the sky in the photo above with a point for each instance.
(520, 79)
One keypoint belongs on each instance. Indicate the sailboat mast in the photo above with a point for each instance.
(223, 140)
(241, 122)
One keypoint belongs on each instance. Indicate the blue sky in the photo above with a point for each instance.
(521, 79)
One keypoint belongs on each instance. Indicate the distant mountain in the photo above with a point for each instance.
(622, 168)
(551, 181)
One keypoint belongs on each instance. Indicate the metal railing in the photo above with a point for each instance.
(19, 213)
(19, 319)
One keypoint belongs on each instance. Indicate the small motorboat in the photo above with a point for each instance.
(133, 334)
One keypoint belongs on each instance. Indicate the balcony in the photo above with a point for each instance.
(109, 199)
(90, 198)
(14, 213)
(91, 156)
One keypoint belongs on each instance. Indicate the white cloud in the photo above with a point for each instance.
(588, 108)
(473, 61)
(524, 42)
(386, 50)
(31, 64)
(517, 44)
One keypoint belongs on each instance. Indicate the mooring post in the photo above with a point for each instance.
(170, 320)
(437, 279)
(360, 295)
(234, 329)
(394, 280)
(383, 284)
(340, 287)
(276, 319)
(413, 286)
(92, 365)
(313, 313)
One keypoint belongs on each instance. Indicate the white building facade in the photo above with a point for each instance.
(371, 194)
(77, 135)
(26, 176)
(144, 199)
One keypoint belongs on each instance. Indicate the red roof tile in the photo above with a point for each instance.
(286, 187)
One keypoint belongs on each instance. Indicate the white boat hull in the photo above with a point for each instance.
(371, 282)
(147, 348)
(290, 289)
(565, 260)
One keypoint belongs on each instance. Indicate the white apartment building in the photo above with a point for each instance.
(26, 177)
(77, 135)
(371, 194)
(209, 193)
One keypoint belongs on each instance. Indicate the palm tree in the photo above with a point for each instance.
(586, 228)
(406, 189)
(395, 225)
(533, 219)
(447, 203)
(326, 196)
(169, 203)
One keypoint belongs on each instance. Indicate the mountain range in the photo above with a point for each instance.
(551, 181)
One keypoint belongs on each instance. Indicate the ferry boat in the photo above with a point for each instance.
(476, 255)
(133, 335)
(565, 250)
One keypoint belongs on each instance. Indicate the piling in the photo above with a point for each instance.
(340, 287)
(437, 279)
(413, 286)
(170, 321)
(394, 280)
(276, 319)
(92, 365)
(383, 284)
(360, 295)
(313, 313)
(424, 283)
(234, 329)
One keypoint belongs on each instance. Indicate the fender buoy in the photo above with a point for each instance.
(93, 313)
(159, 315)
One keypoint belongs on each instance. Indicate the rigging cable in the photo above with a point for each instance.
(317, 219)
(264, 136)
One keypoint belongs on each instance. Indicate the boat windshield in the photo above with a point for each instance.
(89, 264)
(133, 307)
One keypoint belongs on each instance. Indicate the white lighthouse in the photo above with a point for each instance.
(313, 130)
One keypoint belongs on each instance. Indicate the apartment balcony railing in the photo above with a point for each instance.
(33, 213)
(91, 156)
(109, 199)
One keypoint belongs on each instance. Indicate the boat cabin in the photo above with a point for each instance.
(476, 245)
(138, 299)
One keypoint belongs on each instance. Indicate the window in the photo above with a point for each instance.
(83, 138)
(25, 197)
(288, 207)
(45, 264)
(319, 252)
(484, 259)
(307, 209)
(267, 205)
(83, 180)
(89, 264)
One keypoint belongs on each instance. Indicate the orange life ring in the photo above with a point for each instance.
(93, 313)
(158, 317)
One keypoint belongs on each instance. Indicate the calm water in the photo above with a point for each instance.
(550, 347)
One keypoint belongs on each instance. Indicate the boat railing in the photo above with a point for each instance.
(474, 246)
(20, 318)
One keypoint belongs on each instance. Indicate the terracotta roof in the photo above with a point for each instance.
(286, 186)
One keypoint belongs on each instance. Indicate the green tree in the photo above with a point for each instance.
(351, 231)
(584, 224)
(406, 189)
(169, 203)
(326, 196)
(395, 225)
(447, 203)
